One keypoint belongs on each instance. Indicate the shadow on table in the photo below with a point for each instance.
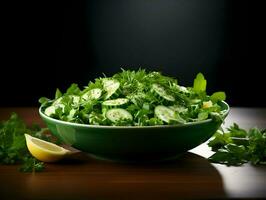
(190, 176)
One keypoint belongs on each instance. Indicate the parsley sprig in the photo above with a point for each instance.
(237, 146)
(13, 149)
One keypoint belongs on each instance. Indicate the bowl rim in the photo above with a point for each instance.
(226, 111)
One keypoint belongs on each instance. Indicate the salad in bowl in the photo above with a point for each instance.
(135, 115)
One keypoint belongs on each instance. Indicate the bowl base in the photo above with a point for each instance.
(135, 159)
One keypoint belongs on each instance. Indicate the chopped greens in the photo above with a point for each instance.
(238, 146)
(13, 149)
(149, 98)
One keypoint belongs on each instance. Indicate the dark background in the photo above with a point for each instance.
(51, 44)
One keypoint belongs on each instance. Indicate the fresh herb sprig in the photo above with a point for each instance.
(237, 146)
(13, 149)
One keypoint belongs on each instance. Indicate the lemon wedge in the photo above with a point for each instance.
(45, 151)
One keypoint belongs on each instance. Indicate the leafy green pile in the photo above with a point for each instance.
(13, 149)
(135, 98)
(238, 146)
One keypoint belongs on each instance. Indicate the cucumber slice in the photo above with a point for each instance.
(183, 89)
(50, 111)
(115, 102)
(92, 94)
(178, 108)
(164, 113)
(117, 114)
(57, 101)
(110, 86)
(58, 104)
(162, 92)
(75, 100)
(167, 114)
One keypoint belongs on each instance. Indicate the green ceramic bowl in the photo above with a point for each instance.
(124, 143)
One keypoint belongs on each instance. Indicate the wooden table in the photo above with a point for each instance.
(192, 176)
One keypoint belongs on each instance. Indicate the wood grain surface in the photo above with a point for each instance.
(192, 176)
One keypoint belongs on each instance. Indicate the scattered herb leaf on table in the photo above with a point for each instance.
(13, 148)
(238, 146)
